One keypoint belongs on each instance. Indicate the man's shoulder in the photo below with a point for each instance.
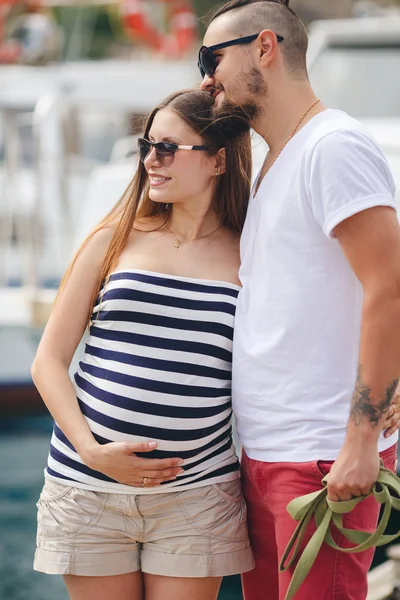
(335, 129)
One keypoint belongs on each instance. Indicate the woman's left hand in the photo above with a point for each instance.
(392, 423)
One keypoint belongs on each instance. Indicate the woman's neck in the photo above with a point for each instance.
(189, 224)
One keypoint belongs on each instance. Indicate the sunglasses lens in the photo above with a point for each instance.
(144, 149)
(207, 62)
(202, 73)
(165, 153)
(166, 148)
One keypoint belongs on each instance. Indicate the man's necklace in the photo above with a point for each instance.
(299, 122)
(179, 242)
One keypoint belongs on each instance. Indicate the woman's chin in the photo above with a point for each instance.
(158, 197)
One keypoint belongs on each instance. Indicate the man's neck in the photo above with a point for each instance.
(282, 111)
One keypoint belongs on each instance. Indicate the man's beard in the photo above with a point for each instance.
(234, 118)
(249, 110)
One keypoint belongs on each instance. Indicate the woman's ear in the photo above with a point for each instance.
(220, 162)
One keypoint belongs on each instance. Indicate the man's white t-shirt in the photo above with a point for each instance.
(298, 318)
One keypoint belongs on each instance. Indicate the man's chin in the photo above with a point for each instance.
(232, 117)
(219, 99)
(224, 105)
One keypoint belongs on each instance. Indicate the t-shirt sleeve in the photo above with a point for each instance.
(348, 173)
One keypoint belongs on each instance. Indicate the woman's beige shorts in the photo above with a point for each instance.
(201, 532)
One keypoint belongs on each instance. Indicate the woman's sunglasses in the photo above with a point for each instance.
(165, 151)
(207, 62)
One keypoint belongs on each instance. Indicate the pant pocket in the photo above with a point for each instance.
(323, 466)
(389, 458)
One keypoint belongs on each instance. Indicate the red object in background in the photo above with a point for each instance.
(136, 23)
(9, 52)
(181, 25)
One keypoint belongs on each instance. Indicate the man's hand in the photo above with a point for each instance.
(344, 480)
(353, 473)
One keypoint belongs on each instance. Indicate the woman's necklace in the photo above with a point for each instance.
(299, 122)
(179, 242)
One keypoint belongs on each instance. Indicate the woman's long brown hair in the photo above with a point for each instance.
(229, 130)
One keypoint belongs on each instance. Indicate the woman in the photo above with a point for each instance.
(142, 494)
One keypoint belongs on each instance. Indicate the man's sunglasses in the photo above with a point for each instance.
(165, 151)
(207, 62)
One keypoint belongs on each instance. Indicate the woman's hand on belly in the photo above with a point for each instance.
(118, 461)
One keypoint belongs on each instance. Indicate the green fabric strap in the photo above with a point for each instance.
(386, 492)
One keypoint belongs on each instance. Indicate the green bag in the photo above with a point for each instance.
(325, 511)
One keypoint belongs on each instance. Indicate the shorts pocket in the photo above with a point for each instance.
(62, 515)
(231, 491)
(53, 491)
(217, 511)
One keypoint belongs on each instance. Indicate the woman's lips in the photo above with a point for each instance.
(157, 180)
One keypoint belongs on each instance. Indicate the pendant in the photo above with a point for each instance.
(177, 245)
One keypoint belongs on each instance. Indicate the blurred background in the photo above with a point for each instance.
(76, 79)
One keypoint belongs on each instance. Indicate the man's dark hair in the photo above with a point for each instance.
(251, 16)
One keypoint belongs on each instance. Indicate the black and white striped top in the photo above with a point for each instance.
(157, 366)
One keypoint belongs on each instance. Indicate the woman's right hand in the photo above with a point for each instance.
(118, 461)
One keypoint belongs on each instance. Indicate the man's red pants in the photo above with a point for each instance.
(268, 488)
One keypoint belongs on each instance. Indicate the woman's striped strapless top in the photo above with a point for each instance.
(157, 366)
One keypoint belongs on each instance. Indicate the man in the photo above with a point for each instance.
(317, 334)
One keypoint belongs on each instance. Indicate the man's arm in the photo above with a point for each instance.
(371, 242)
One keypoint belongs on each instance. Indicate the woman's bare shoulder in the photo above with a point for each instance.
(231, 239)
(94, 248)
(225, 257)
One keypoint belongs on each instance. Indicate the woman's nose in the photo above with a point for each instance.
(151, 157)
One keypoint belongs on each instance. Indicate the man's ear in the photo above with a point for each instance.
(267, 43)
(220, 161)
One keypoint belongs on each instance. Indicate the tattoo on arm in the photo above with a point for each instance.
(362, 406)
